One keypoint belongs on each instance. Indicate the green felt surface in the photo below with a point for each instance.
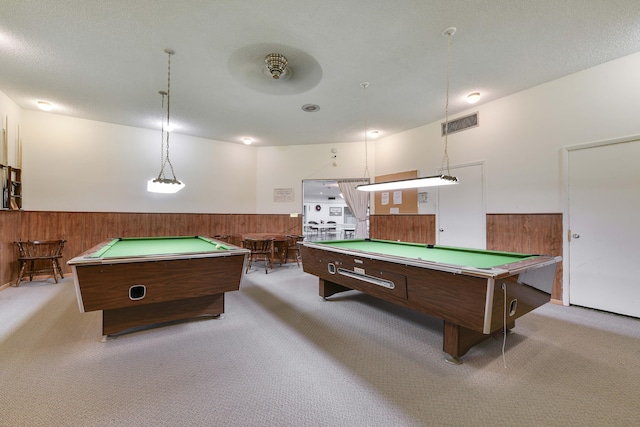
(148, 246)
(440, 254)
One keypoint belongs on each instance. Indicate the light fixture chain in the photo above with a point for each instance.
(445, 157)
(162, 184)
(168, 160)
(365, 85)
(161, 174)
(169, 113)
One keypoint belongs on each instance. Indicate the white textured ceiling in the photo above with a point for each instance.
(104, 59)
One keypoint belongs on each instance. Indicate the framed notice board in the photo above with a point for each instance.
(396, 201)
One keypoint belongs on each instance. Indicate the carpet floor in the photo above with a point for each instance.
(282, 356)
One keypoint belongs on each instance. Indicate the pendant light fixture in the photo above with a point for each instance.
(162, 184)
(277, 65)
(429, 181)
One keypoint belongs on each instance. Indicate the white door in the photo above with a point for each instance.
(604, 222)
(461, 219)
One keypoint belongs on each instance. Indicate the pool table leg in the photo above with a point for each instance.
(457, 340)
(327, 288)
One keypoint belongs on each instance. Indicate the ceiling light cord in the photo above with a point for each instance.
(364, 86)
(445, 157)
(164, 159)
(161, 174)
(428, 181)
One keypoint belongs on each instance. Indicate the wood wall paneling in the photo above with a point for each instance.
(9, 232)
(84, 230)
(528, 233)
(406, 228)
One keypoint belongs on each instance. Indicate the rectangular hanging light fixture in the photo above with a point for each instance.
(403, 184)
(428, 181)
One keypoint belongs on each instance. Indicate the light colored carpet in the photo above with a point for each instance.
(283, 357)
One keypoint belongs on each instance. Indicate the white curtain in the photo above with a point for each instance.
(358, 202)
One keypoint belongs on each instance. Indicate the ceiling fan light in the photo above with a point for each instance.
(276, 64)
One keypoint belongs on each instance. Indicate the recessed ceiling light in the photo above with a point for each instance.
(474, 97)
(247, 141)
(374, 133)
(310, 108)
(44, 105)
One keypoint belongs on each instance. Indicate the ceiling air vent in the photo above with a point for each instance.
(461, 124)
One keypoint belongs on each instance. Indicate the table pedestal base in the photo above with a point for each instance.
(120, 319)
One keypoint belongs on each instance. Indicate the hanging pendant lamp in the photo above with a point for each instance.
(429, 181)
(162, 184)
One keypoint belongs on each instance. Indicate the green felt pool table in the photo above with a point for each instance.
(467, 288)
(150, 280)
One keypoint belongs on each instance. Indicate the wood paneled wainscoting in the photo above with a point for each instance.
(84, 230)
(525, 233)
(406, 228)
(10, 226)
(530, 234)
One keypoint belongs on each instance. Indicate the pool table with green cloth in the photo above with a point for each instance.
(467, 288)
(144, 281)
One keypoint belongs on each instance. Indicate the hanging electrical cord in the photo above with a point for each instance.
(445, 158)
(364, 86)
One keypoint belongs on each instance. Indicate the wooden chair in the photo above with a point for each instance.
(279, 250)
(40, 256)
(261, 250)
(292, 248)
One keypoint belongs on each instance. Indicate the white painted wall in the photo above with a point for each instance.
(9, 109)
(286, 167)
(520, 137)
(75, 164)
(72, 164)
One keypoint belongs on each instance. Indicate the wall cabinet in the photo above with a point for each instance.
(11, 187)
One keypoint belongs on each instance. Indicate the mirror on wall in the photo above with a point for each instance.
(326, 215)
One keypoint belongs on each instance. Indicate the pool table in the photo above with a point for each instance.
(149, 280)
(467, 288)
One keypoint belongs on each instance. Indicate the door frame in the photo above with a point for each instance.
(566, 231)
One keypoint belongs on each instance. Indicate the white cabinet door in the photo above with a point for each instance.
(604, 222)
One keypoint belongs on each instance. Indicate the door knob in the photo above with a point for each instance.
(441, 229)
(575, 236)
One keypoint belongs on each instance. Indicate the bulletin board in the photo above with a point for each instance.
(396, 201)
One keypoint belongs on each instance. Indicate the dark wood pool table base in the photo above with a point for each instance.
(167, 287)
(117, 321)
(471, 306)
